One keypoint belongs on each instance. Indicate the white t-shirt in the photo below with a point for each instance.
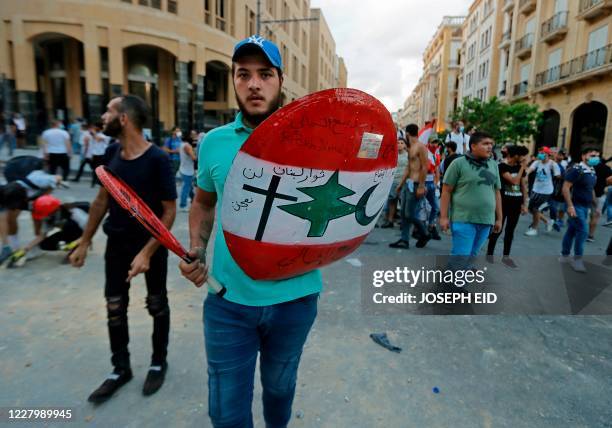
(56, 140)
(186, 166)
(99, 144)
(545, 172)
(459, 139)
(86, 135)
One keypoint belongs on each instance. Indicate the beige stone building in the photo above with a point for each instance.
(480, 56)
(560, 58)
(66, 58)
(437, 91)
(324, 73)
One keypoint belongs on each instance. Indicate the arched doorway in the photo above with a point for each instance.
(150, 74)
(61, 90)
(548, 135)
(216, 95)
(588, 127)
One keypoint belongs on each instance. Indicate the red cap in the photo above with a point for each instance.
(546, 150)
(44, 206)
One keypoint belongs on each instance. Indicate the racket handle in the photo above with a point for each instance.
(212, 283)
(216, 286)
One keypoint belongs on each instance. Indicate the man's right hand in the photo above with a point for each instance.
(196, 271)
(571, 211)
(420, 192)
(78, 255)
(444, 223)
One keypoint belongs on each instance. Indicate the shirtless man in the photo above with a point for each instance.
(413, 190)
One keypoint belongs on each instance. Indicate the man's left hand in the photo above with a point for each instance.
(497, 227)
(139, 265)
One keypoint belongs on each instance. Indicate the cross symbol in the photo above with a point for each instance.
(271, 195)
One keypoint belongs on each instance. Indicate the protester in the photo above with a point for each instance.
(57, 149)
(602, 172)
(393, 199)
(7, 135)
(459, 137)
(59, 227)
(186, 169)
(471, 200)
(557, 201)
(86, 144)
(449, 156)
(432, 181)
(272, 317)
(75, 135)
(172, 146)
(20, 128)
(99, 143)
(578, 190)
(513, 198)
(411, 189)
(545, 169)
(130, 250)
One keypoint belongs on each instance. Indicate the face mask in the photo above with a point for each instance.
(461, 129)
(594, 161)
(541, 156)
(179, 134)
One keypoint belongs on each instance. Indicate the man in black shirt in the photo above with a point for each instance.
(514, 199)
(130, 250)
(450, 155)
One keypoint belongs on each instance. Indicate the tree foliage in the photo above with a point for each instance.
(504, 121)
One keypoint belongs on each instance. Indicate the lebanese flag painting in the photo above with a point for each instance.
(308, 185)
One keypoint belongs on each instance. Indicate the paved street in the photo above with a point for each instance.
(491, 371)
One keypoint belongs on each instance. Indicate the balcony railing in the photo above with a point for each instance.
(598, 60)
(554, 28)
(508, 4)
(523, 45)
(527, 6)
(593, 9)
(520, 89)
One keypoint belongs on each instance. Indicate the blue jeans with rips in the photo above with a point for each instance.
(408, 214)
(433, 202)
(576, 233)
(234, 334)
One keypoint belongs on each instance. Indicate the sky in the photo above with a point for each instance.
(382, 41)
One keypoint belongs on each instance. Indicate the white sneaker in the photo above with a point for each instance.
(531, 232)
(549, 226)
(578, 265)
(564, 259)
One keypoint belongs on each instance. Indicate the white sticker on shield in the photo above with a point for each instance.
(370, 145)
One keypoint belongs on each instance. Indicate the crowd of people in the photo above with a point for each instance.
(459, 186)
(464, 186)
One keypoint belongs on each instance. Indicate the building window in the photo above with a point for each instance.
(172, 6)
(220, 20)
(285, 59)
(251, 22)
(127, 1)
(304, 42)
(270, 4)
(285, 16)
(207, 11)
(143, 2)
(294, 68)
(303, 76)
(156, 4)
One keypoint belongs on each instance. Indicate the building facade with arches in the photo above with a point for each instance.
(66, 58)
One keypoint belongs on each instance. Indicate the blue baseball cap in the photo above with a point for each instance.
(266, 46)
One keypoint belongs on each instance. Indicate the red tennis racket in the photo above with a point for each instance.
(131, 202)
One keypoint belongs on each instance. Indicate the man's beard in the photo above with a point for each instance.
(113, 128)
(256, 119)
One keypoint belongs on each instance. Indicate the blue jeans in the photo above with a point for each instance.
(233, 334)
(186, 190)
(468, 238)
(10, 140)
(576, 233)
(408, 213)
(433, 202)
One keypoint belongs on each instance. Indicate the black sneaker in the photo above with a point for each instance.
(506, 260)
(422, 241)
(115, 381)
(386, 225)
(155, 379)
(433, 233)
(400, 244)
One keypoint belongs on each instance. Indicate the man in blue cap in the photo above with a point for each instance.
(270, 317)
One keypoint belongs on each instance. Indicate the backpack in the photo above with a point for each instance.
(19, 167)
